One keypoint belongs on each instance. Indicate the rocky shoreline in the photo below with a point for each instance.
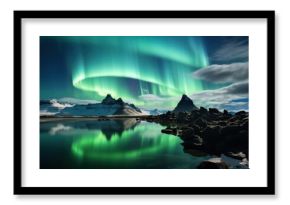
(210, 132)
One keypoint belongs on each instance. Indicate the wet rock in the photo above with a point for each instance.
(202, 123)
(213, 163)
(195, 152)
(194, 115)
(169, 131)
(213, 111)
(182, 117)
(241, 113)
(197, 140)
(222, 123)
(212, 131)
(187, 133)
(197, 129)
(230, 130)
(239, 155)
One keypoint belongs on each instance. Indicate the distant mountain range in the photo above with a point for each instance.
(108, 106)
(52, 107)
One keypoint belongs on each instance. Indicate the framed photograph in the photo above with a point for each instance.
(144, 102)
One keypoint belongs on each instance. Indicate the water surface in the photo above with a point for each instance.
(111, 144)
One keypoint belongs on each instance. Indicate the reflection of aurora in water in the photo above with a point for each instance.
(132, 66)
(129, 144)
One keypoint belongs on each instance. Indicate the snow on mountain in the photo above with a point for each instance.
(75, 101)
(51, 107)
(108, 106)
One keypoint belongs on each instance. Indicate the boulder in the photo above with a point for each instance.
(197, 140)
(187, 132)
(230, 130)
(213, 163)
(213, 111)
(202, 123)
(169, 131)
(202, 110)
(181, 117)
(239, 155)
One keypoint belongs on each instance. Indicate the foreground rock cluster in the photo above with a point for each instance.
(209, 131)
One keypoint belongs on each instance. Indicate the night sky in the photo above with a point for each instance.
(149, 71)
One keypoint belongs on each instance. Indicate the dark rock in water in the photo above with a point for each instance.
(187, 134)
(202, 123)
(230, 130)
(245, 125)
(195, 152)
(185, 105)
(197, 140)
(239, 155)
(209, 131)
(222, 123)
(213, 163)
(212, 131)
(169, 130)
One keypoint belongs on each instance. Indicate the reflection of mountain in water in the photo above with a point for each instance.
(108, 127)
(113, 143)
(143, 144)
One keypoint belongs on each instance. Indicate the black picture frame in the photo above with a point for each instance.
(269, 189)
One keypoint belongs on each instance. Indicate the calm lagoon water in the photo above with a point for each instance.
(111, 144)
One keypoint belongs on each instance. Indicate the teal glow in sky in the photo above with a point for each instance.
(130, 67)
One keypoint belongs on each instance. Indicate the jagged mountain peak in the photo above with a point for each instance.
(185, 105)
(119, 101)
(108, 100)
(185, 97)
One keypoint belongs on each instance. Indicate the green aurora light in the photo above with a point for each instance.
(134, 66)
(131, 144)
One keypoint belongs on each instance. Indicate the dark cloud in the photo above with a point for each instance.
(231, 52)
(226, 73)
(238, 88)
(229, 96)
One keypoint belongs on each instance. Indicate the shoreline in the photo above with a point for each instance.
(107, 117)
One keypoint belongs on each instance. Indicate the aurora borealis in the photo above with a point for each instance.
(139, 69)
